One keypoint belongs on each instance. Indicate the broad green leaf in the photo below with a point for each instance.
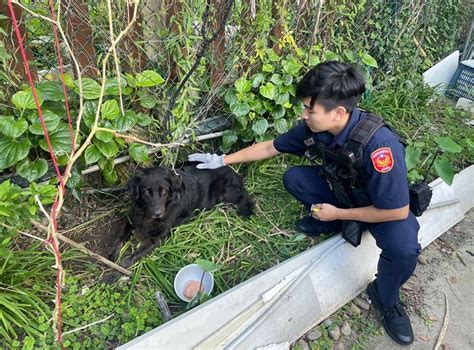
(51, 90)
(257, 79)
(148, 78)
(24, 99)
(230, 97)
(276, 79)
(350, 55)
(278, 112)
(445, 170)
(125, 122)
(469, 143)
(267, 90)
(92, 154)
(313, 60)
(51, 121)
(12, 151)
(288, 79)
(112, 86)
(257, 106)
(412, 156)
(148, 101)
(240, 108)
(75, 181)
(448, 145)
(60, 140)
(90, 89)
(292, 67)
(90, 110)
(207, 265)
(12, 128)
(331, 56)
(104, 136)
(138, 152)
(260, 126)
(108, 172)
(281, 125)
(267, 68)
(108, 149)
(242, 121)
(143, 119)
(369, 60)
(229, 138)
(243, 85)
(69, 81)
(32, 170)
(110, 110)
(282, 99)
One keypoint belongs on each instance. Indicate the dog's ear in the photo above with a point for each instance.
(133, 188)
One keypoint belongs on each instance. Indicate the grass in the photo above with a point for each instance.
(243, 247)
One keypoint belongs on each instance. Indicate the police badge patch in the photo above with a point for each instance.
(382, 159)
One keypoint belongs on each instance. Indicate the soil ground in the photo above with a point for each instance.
(445, 270)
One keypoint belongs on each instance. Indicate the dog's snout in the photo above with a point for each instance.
(158, 213)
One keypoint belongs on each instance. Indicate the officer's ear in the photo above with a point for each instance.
(339, 113)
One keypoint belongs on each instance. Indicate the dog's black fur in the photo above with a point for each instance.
(163, 198)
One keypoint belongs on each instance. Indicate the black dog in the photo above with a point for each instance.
(163, 198)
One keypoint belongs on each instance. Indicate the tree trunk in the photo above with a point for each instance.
(276, 33)
(218, 45)
(11, 44)
(80, 36)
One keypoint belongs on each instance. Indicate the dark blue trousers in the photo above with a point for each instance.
(398, 240)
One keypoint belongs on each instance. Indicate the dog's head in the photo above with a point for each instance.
(154, 189)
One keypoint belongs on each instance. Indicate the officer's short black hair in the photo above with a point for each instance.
(332, 84)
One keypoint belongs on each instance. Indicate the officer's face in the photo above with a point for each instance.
(317, 118)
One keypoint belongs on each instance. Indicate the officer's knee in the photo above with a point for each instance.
(400, 253)
(290, 179)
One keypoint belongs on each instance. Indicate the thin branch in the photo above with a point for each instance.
(24, 233)
(83, 249)
(158, 145)
(444, 328)
(89, 325)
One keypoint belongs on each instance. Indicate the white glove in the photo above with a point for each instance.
(208, 161)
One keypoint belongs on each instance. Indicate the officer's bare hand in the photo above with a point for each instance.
(325, 212)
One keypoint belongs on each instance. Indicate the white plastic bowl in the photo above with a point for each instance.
(192, 272)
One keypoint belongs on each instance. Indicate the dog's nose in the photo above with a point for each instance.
(157, 214)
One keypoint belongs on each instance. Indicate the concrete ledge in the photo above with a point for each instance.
(276, 307)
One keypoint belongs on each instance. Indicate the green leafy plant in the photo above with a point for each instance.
(23, 145)
(200, 296)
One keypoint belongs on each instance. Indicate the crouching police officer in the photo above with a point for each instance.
(330, 93)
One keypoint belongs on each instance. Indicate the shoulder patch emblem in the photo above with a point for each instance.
(382, 159)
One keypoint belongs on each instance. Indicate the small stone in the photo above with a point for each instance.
(327, 323)
(423, 337)
(303, 345)
(355, 309)
(346, 328)
(433, 318)
(338, 346)
(422, 259)
(362, 303)
(335, 333)
(314, 334)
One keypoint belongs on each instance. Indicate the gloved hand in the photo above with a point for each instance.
(208, 161)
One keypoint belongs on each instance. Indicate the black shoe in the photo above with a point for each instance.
(394, 319)
(313, 228)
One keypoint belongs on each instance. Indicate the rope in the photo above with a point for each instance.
(51, 239)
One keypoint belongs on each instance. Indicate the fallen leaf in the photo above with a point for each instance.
(423, 337)
(433, 318)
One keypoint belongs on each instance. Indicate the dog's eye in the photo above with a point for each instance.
(164, 191)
